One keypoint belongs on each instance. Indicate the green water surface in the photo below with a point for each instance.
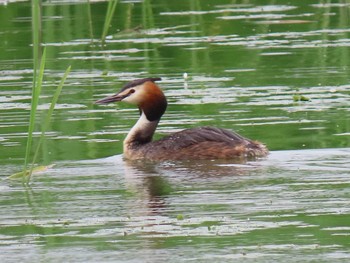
(274, 71)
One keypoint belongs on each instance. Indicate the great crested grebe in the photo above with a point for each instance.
(196, 143)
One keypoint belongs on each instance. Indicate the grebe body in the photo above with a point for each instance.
(195, 143)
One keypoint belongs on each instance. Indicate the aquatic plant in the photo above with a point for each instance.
(37, 83)
(48, 120)
(27, 172)
(39, 60)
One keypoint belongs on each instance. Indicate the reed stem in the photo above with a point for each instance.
(112, 4)
(34, 104)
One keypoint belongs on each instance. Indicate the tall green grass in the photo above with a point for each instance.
(47, 121)
(27, 172)
(37, 83)
(39, 60)
(112, 4)
(49, 114)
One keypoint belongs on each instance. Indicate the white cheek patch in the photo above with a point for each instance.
(135, 98)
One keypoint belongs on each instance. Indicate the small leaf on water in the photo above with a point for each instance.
(37, 169)
(18, 175)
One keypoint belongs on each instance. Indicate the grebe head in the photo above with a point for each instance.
(145, 94)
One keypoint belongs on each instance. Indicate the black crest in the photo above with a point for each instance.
(138, 82)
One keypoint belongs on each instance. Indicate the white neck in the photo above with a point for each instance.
(141, 133)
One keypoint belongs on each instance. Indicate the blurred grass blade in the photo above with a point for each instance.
(35, 100)
(26, 173)
(112, 4)
(36, 35)
(38, 61)
(22, 174)
(90, 20)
